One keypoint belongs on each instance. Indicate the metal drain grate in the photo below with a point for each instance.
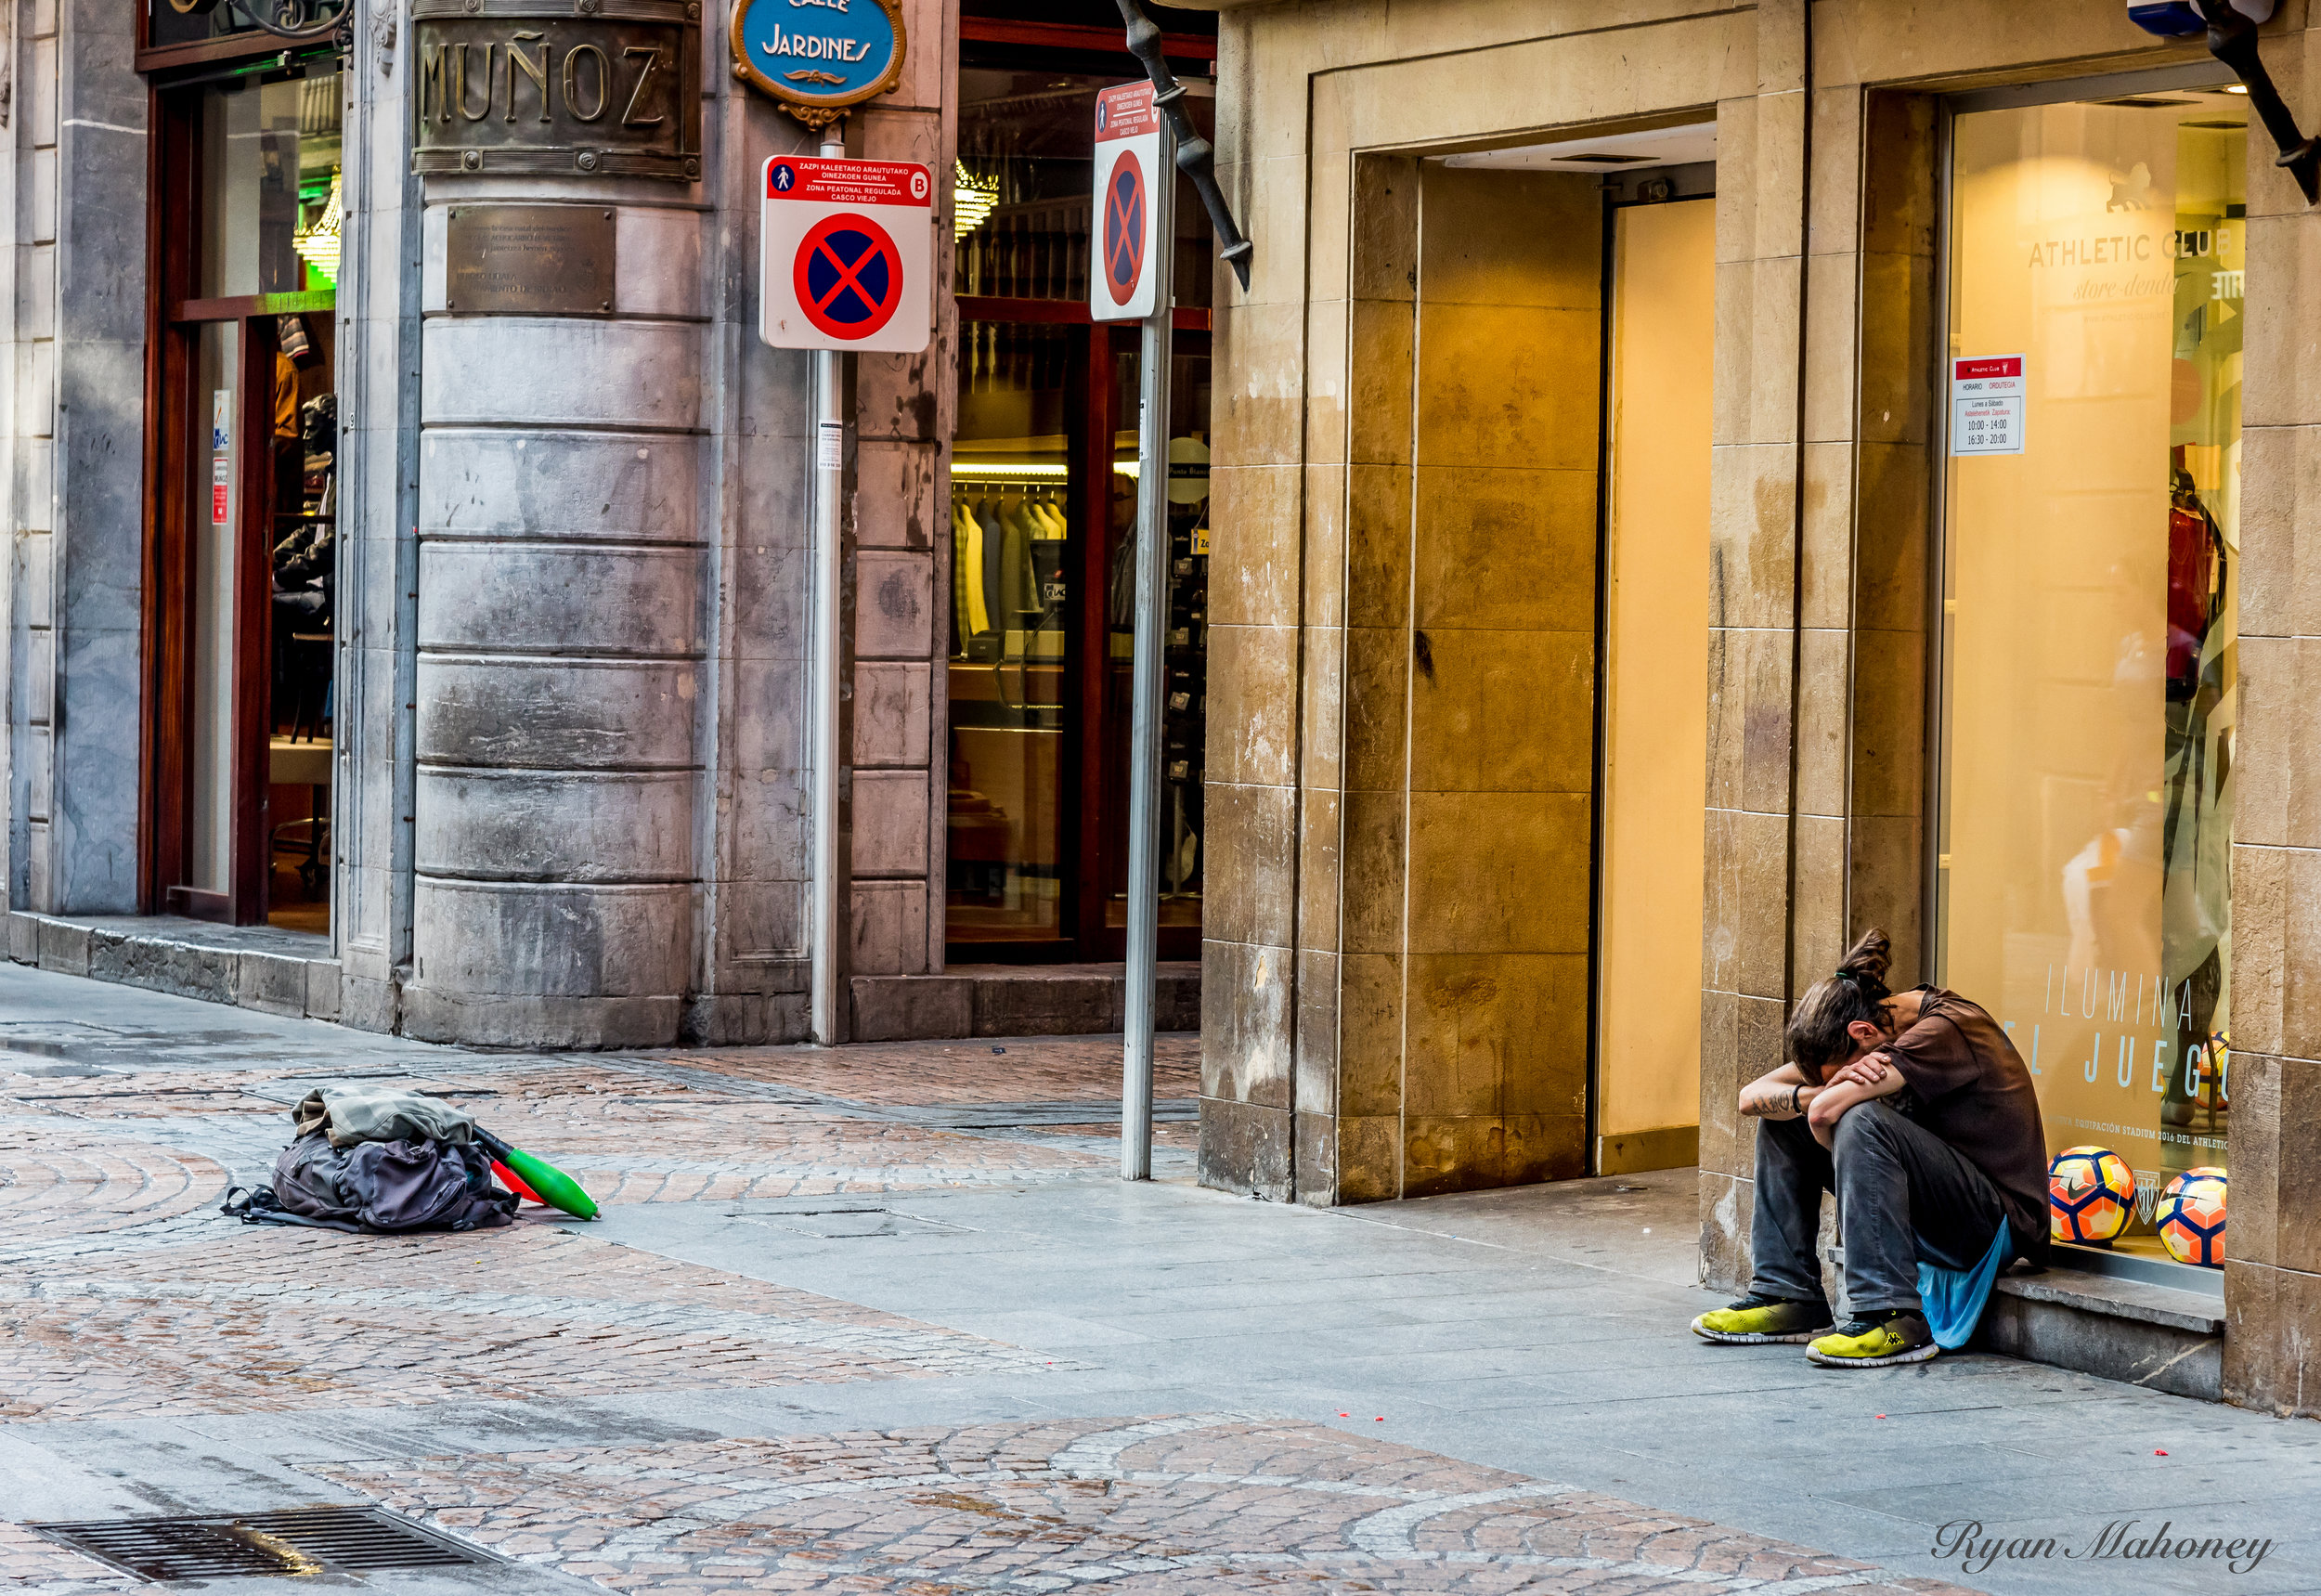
(287, 1541)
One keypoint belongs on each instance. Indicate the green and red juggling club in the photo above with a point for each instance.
(551, 1185)
(508, 1179)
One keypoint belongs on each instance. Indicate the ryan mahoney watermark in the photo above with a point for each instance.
(2121, 1541)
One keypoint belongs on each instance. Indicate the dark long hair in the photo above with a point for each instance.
(1817, 1032)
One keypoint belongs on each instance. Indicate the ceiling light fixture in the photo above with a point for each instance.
(317, 243)
(972, 198)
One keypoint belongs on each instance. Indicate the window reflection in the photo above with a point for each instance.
(2090, 615)
(1011, 523)
(269, 186)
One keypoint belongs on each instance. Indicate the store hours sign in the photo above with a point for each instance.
(1987, 396)
(819, 56)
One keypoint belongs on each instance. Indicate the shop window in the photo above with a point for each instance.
(2091, 495)
(177, 24)
(245, 507)
(1043, 512)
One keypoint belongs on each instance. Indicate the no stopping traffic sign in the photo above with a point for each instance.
(848, 276)
(1124, 229)
(846, 252)
(1128, 164)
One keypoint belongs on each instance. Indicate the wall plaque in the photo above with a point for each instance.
(588, 88)
(547, 260)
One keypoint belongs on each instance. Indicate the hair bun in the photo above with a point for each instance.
(1866, 962)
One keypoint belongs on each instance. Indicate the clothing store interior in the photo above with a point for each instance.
(243, 615)
(1044, 480)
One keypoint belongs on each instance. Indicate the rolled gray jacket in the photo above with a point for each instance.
(351, 1114)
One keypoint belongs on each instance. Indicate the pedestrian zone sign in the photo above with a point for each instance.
(1121, 279)
(846, 249)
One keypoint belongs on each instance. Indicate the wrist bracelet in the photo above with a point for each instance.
(1796, 1099)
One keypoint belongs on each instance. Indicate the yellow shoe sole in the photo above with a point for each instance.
(1728, 1338)
(1915, 1354)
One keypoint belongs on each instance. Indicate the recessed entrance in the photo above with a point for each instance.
(1528, 624)
(239, 634)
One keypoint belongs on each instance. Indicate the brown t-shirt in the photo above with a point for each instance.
(1966, 1083)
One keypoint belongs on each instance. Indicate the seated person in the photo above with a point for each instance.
(1916, 1110)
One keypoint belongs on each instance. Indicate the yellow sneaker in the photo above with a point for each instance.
(1897, 1337)
(1758, 1319)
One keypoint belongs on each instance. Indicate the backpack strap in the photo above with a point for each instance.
(260, 1206)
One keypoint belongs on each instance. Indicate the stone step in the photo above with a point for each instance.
(1015, 1000)
(2124, 1318)
(264, 968)
(2160, 1336)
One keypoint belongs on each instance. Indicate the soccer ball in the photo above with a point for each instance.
(2091, 1195)
(2191, 1217)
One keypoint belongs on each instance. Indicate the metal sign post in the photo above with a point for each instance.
(849, 282)
(829, 433)
(1131, 203)
(847, 250)
(1148, 677)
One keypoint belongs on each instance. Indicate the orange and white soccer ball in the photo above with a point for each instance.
(2091, 1195)
(2190, 1217)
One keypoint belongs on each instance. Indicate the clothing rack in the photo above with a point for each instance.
(1008, 525)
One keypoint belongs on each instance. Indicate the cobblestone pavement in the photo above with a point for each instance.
(1140, 1507)
(1033, 1070)
(146, 1343)
(272, 1320)
(30, 1561)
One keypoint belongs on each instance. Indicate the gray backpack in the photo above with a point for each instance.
(410, 1185)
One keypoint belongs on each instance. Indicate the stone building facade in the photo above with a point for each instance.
(563, 775)
(1598, 599)
(520, 756)
(1413, 964)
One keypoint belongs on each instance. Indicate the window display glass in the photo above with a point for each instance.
(1013, 518)
(1043, 474)
(1184, 704)
(270, 186)
(2089, 612)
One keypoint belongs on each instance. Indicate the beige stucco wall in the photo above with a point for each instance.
(1823, 378)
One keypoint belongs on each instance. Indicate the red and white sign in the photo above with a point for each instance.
(1122, 278)
(1987, 396)
(845, 250)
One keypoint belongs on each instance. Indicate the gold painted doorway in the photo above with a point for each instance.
(1661, 317)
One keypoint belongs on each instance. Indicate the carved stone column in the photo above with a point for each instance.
(560, 546)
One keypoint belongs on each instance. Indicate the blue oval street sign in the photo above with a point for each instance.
(819, 56)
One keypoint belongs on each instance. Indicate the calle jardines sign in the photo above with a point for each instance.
(819, 56)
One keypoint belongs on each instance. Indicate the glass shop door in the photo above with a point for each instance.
(241, 617)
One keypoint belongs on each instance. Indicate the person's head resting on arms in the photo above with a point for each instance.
(1848, 1014)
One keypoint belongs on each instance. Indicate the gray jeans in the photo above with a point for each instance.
(1903, 1194)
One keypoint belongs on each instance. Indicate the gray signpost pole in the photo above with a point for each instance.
(1182, 149)
(1148, 677)
(828, 444)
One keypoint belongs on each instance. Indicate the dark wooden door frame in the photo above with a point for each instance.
(1086, 834)
(166, 713)
(176, 475)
